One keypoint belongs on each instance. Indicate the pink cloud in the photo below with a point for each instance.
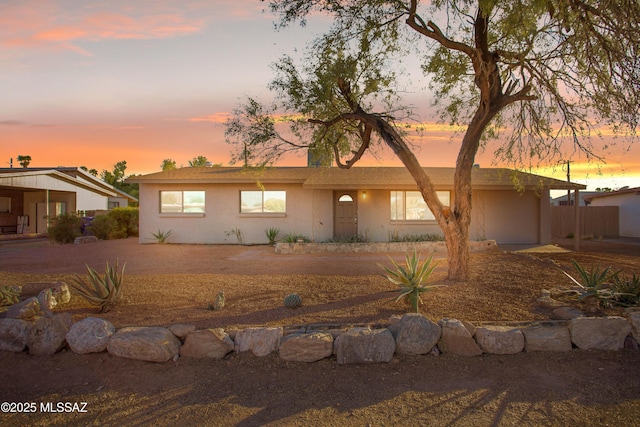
(54, 27)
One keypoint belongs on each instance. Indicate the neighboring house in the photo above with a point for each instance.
(29, 195)
(582, 196)
(220, 204)
(628, 202)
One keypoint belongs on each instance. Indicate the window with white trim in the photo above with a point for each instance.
(410, 206)
(182, 202)
(263, 201)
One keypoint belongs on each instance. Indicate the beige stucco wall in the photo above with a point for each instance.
(308, 212)
(628, 209)
(505, 216)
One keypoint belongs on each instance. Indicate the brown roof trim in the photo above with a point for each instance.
(353, 178)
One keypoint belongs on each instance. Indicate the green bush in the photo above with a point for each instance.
(64, 228)
(293, 238)
(119, 223)
(126, 220)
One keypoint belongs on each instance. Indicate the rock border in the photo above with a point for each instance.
(350, 344)
(372, 247)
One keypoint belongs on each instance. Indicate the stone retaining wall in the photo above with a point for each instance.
(409, 334)
(429, 247)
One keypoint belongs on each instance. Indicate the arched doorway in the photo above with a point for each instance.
(345, 218)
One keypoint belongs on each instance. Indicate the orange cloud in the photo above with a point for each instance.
(51, 27)
(220, 117)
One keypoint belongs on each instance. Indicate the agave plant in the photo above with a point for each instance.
(101, 291)
(411, 277)
(161, 236)
(594, 282)
(627, 290)
(272, 234)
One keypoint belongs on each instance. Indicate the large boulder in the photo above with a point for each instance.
(599, 333)
(546, 338)
(48, 334)
(90, 335)
(207, 343)
(500, 339)
(261, 341)
(14, 334)
(181, 330)
(153, 344)
(306, 347)
(457, 338)
(364, 345)
(415, 334)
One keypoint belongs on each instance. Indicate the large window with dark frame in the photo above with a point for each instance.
(263, 201)
(182, 201)
(410, 206)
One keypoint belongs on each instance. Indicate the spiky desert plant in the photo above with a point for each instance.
(161, 236)
(292, 301)
(594, 283)
(102, 291)
(410, 278)
(10, 294)
(272, 234)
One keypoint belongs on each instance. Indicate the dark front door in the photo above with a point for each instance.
(345, 214)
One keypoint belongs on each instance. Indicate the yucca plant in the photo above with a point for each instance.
(411, 277)
(101, 291)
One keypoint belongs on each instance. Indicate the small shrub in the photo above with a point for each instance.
(359, 238)
(65, 228)
(118, 223)
(102, 291)
(395, 237)
(101, 227)
(125, 222)
(293, 238)
(410, 278)
(292, 301)
(272, 234)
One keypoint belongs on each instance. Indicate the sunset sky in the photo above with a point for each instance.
(93, 83)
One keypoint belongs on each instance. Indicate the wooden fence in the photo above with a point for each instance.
(595, 221)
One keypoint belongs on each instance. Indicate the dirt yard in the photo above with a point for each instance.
(167, 284)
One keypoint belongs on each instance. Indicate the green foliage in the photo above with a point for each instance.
(272, 234)
(356, 238)
(627, 289)
(161, 236)
(118, 223)
(293, 238)
(292, 301)
(395, 237)
(126, 222)
(9, 295)
(65, 228)
(411, 278)
(607, 286)
(198, 162)
(103, 291)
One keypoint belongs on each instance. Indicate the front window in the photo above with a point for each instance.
(263, 201)
(182, 201)
(410, 206)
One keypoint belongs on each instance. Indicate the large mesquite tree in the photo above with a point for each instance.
(542, 76)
